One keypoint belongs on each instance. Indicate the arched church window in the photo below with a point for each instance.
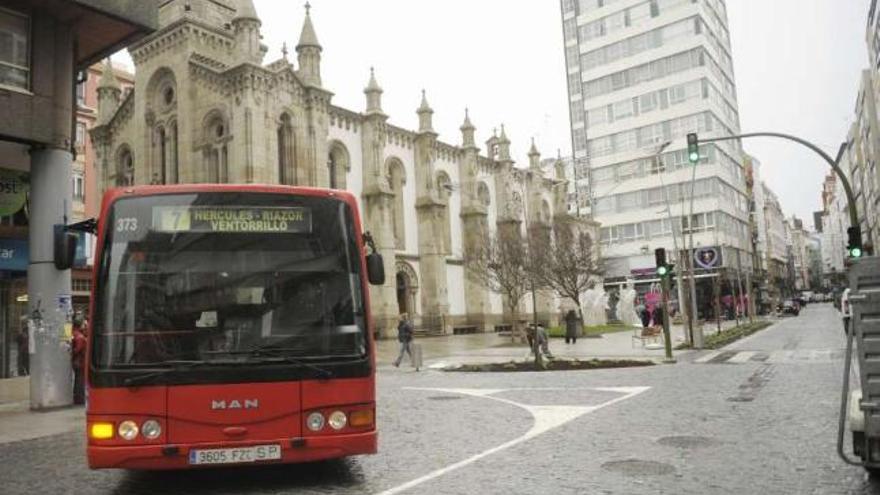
(215, 152)
(483, 194)
(286, 149)
(444, 191)
(397, 179)
(125, 167)
(173, 174)
(545, 211)
(338, 165)
(160, 155)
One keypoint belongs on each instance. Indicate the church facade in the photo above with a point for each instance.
(205, 108)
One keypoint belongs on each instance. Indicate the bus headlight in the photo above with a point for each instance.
(315, 421)
(151, 429)
(337, 420)
(128, 430)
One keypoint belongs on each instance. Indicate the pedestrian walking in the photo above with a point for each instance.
(24, 356)
(645, 315)
(659, 315)
(543, 340)
(78, 359)
(571, 327)
(845, 310)
(405, 337)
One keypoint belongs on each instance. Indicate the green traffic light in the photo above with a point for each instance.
(662, 270)
(694, 157)
(855, 252)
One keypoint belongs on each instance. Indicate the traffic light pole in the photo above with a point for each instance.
(833, 162)
(667, 339)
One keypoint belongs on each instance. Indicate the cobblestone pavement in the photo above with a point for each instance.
(758, 417)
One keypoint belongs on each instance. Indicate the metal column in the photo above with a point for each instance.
(49, 298)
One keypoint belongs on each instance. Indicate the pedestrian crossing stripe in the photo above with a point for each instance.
(773, 357)
(741, 357)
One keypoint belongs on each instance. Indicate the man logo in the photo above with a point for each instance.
(218, 405)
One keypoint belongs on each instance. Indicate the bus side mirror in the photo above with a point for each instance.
(375, 269)
(64, 247)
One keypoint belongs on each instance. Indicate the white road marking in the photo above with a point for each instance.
(741, 357)
(707, 357)
(546, 418)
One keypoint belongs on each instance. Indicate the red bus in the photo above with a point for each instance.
(230, 325)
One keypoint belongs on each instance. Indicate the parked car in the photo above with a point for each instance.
(789, 307)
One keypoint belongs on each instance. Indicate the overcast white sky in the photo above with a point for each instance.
(796, 62)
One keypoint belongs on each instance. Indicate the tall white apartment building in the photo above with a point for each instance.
(642, 73)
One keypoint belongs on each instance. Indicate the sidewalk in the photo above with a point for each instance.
(442, 352)
(18, 422)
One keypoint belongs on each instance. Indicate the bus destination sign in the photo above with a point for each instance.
(232, 219)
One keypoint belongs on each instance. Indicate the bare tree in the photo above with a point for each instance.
(501, 265)
(564, 262)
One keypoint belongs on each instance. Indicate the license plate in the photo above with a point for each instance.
(235, 455)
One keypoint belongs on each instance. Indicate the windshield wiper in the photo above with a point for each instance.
(176, 365)
(276, 355)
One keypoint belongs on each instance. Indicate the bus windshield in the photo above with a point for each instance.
(225, 276)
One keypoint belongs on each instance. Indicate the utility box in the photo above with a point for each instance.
(864, 299)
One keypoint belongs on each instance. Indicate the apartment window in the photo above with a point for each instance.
(81, 285)
(569, 27)
(14, 49)
(624, 109)
(79, 187)
(577, 112)
(80, 134)
(81, 94)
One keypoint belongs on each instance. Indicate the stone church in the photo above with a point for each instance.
(206, 108)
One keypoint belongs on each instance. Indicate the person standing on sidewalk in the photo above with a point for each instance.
(571, 327)
(24, 356)
(78, 359)
(405, 337)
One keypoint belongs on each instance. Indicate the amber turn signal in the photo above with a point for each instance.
(361, 418)
(101, 431)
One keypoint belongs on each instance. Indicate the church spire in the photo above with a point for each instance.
(108, 77)
(109, 94)
(308, 37)
(425, 113)
(534, 156)
(374, 94)
(244, 9)
(246, 26)
(467, 131)
(309, 52)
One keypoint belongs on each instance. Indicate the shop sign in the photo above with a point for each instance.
(13, 191)
(14, 255)
(707, 257)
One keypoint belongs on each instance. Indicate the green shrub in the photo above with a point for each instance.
(726, 337)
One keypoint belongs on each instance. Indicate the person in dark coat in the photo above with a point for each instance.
(646, 317)
(571, 327)
(78, 360)
(405, 337)
(658, 316)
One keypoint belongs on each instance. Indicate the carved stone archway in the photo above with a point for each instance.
(407, 287)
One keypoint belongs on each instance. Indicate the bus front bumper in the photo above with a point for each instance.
(293, 450)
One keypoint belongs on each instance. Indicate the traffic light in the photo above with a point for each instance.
(854, 242)
(693, 148)
(663, 267)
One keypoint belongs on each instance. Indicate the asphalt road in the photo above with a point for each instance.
(759, 417)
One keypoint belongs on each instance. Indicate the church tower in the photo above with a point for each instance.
(308, 52)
